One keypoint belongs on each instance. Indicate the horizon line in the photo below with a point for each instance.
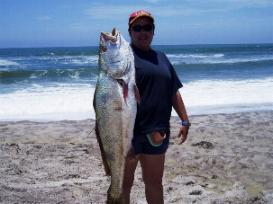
(78, 46)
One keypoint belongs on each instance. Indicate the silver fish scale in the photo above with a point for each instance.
(115, 114)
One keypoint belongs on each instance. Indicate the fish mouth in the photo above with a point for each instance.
(107, 37)
(113, 36)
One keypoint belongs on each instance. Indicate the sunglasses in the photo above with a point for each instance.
(146, 28)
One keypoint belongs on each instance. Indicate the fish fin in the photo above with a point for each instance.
(125, 92)
(125, 88)
(103, 155)
(137, 94)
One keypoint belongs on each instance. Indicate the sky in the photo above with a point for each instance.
(47, 23)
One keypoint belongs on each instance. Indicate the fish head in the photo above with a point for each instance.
(113, 53)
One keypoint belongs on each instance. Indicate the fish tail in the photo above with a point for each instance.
(112, 200)
(114, 197)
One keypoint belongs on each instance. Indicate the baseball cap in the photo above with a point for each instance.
(137, 14)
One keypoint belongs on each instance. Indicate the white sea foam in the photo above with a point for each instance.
(48, 103)
(193, 58)
(4, 63)
(238, 60)
(206, 96)
(66, 59)
(196, 56)
(74, 102)
(79, 60)
(217, 58)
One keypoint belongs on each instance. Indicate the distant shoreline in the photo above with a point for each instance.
(156, 45)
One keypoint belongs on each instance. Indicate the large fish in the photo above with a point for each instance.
(115, 107)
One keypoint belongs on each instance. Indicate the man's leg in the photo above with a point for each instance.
(152, 170)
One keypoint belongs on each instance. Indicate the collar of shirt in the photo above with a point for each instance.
(149, 55)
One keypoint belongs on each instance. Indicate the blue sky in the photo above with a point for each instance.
(39, 23)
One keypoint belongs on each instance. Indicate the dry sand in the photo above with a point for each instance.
(228, 158)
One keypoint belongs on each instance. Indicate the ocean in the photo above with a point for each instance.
(58, 83)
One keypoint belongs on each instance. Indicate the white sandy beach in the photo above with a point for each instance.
(228, 158)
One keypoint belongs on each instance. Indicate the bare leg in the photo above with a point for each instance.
(153, 169)
(129, 172)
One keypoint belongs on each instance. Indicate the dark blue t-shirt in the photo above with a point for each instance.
(157, 82)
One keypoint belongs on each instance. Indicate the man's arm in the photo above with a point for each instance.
(179, 107)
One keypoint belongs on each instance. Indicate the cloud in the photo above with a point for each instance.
(251, 2)
(241, 3)
(44, 18)
(174, 8)
(152, 1)
(110, 12)
(100, 11)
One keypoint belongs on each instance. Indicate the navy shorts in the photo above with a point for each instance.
(142, 145)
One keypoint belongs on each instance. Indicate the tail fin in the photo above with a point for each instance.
(111, 200)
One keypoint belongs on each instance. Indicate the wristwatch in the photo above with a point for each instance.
(185, 123)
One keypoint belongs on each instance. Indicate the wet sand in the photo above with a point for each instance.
(228, 158)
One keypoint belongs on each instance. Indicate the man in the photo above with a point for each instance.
(158, 86)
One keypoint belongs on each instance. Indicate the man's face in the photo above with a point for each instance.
(142, 32)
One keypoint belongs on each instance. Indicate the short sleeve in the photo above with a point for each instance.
(176, 83)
